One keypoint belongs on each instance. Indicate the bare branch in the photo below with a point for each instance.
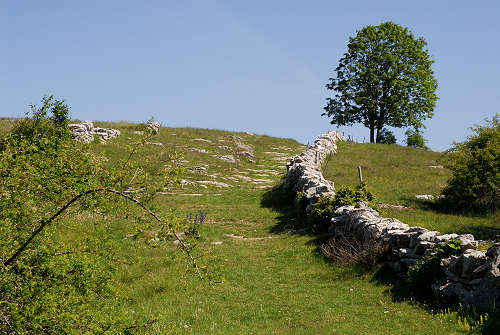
(44, 223)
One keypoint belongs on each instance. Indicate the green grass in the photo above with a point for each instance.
(277, 285)
(6, 124)
(395, 174)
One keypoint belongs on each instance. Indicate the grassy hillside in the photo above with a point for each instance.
(395, 174)
(268, 278)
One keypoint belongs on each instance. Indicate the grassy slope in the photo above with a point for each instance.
(395, 174)
(278, 285)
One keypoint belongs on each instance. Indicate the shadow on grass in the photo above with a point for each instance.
(294, 221)
(400, 290)
(290, 219)
(486, 231)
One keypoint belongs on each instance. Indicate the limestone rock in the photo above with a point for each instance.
(202, 140)
(245, 154)
(244, 147)
(155, 127)
(424, 196)
(228, 158)
(84, 132)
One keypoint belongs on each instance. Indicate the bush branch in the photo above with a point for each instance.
(45, 222)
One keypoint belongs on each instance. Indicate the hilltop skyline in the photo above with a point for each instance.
(259, 67)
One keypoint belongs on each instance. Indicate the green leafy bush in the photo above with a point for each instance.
(346, 196)
(475, 170)
(56, 273)
(386, 137)
(53, 284)
(415, 139)
(423, 274)
(321, 214)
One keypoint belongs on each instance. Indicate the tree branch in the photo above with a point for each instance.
(44, 223)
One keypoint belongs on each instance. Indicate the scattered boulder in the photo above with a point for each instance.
(215, 183)
(201, 151)
(185, 182)
(197, 168)
(201, 140)
(424, 197)
(245, 154)
(225, 147)
(228, 158)
(244, 147)
(158, 144)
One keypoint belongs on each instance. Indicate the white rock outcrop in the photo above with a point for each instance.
(84, 132)
(154, 126)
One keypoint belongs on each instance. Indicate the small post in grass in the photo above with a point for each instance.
(360, 176)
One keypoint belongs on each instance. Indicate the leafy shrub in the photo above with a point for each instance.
(54, 284)
(425, 273)
(475, 170)
(346, 196)
(415, 139)
(321, 214)
(55, 278)
(386, 137)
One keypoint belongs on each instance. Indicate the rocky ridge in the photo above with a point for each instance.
(472, 278)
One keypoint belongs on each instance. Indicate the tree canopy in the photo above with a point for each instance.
(384, 79)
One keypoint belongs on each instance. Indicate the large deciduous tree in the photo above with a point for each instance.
(384, 79)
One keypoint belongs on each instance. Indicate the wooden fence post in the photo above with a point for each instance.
(360, 176)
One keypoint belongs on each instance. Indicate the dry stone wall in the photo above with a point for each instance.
(304, 171)
(472, 278)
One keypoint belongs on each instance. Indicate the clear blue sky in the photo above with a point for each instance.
(258, 66)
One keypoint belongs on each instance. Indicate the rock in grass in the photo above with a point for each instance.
(424, 197)
(201, 140)
(155, 127)
(228, 158)
(245, 154)
(215, 183)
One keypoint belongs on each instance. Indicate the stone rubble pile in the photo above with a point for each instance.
(304, 171)
(84, 132)
(472, 278)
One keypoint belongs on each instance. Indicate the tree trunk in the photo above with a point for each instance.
(372, 134)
